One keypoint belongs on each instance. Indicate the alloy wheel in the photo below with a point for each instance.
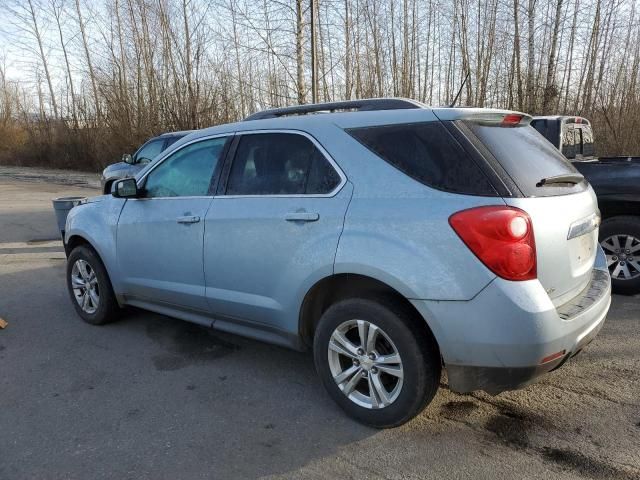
(85, 286)
(365, 364)
(623, 256)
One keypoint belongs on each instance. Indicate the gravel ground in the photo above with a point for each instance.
(153, 397)
(47, 175)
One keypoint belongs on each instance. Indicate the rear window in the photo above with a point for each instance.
(428, 153)
(527, 157)
(588, 149)
(570, 141)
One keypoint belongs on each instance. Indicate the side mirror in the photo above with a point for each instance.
(125, 188)
(127, 158)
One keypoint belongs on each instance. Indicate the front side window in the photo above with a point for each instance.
(188, 172)
(150, 150)
(280, 164)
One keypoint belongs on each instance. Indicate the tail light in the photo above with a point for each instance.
(501, 237)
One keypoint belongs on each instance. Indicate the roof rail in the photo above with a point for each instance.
(367, 104)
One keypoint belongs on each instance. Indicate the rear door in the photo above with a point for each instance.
(274, 229)
(564, 215)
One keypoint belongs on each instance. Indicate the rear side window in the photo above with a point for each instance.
(280, 164)
(527, 157)
(428, 153)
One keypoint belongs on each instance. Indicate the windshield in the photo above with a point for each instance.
(149, 150)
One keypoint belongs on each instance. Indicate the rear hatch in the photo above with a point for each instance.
(561, 204)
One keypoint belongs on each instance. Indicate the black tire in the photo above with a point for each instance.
(107, 187)
(108, 309)
(417, 348)
(623, 226)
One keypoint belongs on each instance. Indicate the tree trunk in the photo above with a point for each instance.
(43, 58)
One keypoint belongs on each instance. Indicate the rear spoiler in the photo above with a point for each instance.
(484, 116)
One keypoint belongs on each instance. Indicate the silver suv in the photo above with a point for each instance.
(391, 238)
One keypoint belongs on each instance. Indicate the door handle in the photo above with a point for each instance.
(301, 217)
(189, 219)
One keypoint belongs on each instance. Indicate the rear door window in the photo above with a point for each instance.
(428, 153)
(528, 158)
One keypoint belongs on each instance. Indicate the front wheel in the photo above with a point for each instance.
(90, 288)
(376, 361)
(620, 240)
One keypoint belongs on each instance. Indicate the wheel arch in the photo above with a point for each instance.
(334, 288)
(75, 241)
(611, 207)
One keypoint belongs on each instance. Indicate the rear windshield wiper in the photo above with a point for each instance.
(573, 178)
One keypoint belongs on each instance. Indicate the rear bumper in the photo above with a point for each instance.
(498, 341)
(494, 380)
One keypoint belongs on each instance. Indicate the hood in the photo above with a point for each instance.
(117, 166)
(97, 199)
(122, 167)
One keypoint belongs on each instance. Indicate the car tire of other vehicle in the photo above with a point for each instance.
(376, 361)
(107, 187)
(90, 288)
(620, 240)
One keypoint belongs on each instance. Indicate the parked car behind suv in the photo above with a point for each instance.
(392, 239)
(616, 181)
(132, 164)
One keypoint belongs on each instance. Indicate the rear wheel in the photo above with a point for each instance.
(620, 240)
(90, 288)
(376, 361)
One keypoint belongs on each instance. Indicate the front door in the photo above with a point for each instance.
(160, 236)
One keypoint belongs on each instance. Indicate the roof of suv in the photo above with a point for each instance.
(378, 111)
(563, 118)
